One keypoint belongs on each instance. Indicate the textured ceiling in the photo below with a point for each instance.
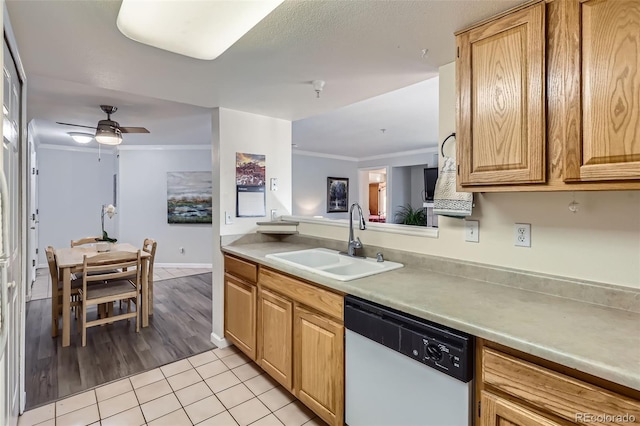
(360, 48)
(409, 117)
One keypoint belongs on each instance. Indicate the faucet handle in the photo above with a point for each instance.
(379, 257)
(357, 243)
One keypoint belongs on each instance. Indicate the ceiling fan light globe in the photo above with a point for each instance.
(109, 136)
(81, 137)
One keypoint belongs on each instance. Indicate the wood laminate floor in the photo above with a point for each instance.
(179, 328)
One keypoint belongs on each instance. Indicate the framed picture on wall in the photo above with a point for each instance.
(189, 197)
(337, 195)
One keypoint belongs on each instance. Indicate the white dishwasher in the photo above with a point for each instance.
(405, 371)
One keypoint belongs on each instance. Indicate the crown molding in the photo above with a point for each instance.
(164, 147)
(433, 150)
(76, 148)
(320, 155)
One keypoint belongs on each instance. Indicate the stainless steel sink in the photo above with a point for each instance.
(332, 264)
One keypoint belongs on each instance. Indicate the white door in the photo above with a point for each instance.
(12, 283)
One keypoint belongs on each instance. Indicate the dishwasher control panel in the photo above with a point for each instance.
(437, 346)
(450, 357)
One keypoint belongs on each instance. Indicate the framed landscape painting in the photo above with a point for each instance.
(189, 197)
(337, 195)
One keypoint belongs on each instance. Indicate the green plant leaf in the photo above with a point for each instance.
(407, 215)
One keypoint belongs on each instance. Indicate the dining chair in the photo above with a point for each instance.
(116, 277)
(84, 241)
(150, 246)
(56, 290)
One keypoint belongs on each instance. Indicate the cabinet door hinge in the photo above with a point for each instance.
(37, 251)
(33, 262)
(479, 402)
(458, 169)
(458, 53)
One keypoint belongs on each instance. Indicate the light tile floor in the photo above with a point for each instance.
(42, 286)
(221, 387)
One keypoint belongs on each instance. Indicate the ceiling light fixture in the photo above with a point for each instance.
(81, 137)
(318, 85)
(198, 29)
(108, 135)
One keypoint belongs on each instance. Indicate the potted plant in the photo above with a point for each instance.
(407, 215)
(109, 210)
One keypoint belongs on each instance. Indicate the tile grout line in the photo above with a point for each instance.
(255, 395)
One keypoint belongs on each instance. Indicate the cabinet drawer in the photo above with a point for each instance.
(550, 391)
(241, 268)
(322, 300)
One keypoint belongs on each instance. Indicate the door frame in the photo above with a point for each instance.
(23, 223)
(363, 187)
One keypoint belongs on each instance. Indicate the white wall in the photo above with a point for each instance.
(601, 242)
(310, 184)
(73, 186)
(400, 193)
(142, 201)
(236, 131)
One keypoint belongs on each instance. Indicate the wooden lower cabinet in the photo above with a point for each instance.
(497, 411)
(292, 329)
(275, 328)
(518, 389)
(240, 314)
(319, 364)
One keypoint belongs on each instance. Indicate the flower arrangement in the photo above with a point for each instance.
(109, 210)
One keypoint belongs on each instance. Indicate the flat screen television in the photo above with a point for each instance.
(430, 177)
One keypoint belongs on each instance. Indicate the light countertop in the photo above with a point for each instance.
(601, 341)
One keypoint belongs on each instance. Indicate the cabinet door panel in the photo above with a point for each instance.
(275, 335)
(497, 411)
(240, 314)
(319, 365)
(608, 45)
(501, 122)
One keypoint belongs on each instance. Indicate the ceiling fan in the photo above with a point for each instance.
(109, 132)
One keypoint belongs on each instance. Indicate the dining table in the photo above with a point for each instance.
(70, 260)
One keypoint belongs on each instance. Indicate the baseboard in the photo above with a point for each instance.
(220, 342)
(184, 265)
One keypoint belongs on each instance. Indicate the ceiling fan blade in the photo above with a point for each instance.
(133, 130)
(75, 125)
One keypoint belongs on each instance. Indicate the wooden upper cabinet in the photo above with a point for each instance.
(497, 411)
(501, 100)
(604, 87)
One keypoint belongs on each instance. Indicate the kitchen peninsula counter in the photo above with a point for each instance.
(595, 339)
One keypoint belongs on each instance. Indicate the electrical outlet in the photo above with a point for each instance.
(522, 234)
(472, 231)
(274, 214)
(228, 219)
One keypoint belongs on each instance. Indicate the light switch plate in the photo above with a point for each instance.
(472, 231)
(228, 218)
(274, 184)
(522, 234)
